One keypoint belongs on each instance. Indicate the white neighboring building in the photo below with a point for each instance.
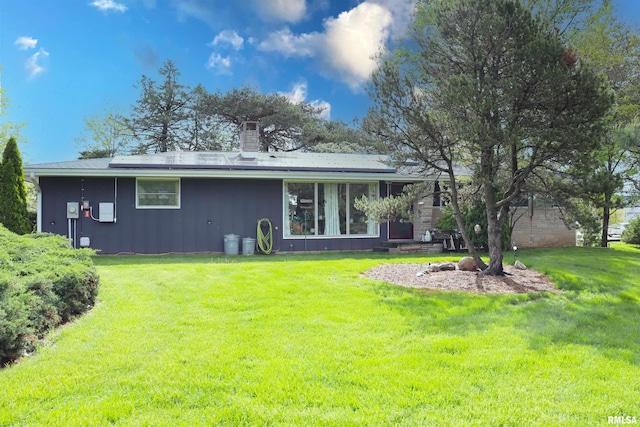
(631, 213)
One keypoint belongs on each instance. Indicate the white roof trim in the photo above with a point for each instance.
(224, 173)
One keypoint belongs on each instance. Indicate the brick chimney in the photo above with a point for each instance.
(249, 137)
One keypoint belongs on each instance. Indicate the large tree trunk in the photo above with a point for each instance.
(606, 216)
(465, 236)
(461, 226)
(494, 240)
(164, 138)
(494, 232)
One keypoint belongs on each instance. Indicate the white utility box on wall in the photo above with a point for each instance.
(106, 212)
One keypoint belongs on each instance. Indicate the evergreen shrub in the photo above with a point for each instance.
(13, 194)
(43, 283)
(15, 330)
(631, 234)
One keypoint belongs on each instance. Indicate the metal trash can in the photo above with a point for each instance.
(231, 244)
(248, 246)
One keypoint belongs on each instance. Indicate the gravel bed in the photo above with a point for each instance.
(416, 276)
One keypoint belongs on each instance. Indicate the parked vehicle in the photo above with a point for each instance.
(614, 233)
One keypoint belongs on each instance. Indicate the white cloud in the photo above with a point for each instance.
(352, 40)
(346, 48)
(228, 37)
(197, 9)
(33, 64)
(281, 10)
(401, 11)
(298, 94)
(107, 5)
(220, 64)
(24, 43)
(289, 44)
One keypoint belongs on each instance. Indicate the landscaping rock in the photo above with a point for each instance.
(447, 266)
(432, 268)
(443, 266)
(519, 265)
(467, 264)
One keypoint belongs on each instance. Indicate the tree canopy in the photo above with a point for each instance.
(284, 125)
(171, 116)
(104, 136)
(157, 120)
(490, 85)
(613, 49)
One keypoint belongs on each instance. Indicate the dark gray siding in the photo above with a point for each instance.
(210, 209)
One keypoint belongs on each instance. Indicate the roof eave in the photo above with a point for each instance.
(289, 174)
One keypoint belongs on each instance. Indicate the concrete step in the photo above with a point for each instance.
(409, 246)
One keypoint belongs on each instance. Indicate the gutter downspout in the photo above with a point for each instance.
(115, 200)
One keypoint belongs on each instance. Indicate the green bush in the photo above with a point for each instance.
(631, 234)
(15, 330)
(44, 312)
(77, 288)
(43, 283)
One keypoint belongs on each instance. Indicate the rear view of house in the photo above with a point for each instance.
(186, 202)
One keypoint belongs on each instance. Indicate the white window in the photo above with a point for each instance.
(326, 209)
(158, 193)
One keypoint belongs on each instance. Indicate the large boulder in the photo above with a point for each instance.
(467, 264)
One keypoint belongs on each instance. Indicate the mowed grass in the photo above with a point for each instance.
(306, 340)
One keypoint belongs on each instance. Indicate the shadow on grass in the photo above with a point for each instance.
(611, 325)
(590, 270)
(600, 306)
(453, 313)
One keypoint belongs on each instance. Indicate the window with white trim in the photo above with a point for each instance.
(326, 209)
(158, 193)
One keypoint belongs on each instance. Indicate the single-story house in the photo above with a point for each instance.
(186, 202)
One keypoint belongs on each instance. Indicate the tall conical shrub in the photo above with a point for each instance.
(13, 195)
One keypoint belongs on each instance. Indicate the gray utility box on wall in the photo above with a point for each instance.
(106, 212)
(73, 210)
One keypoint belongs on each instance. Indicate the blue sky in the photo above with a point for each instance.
(63, 61)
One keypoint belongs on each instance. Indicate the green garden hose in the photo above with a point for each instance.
(265, 242)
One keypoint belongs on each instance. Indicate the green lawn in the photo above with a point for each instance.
(305, 340)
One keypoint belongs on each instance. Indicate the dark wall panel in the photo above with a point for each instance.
(210, 209)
